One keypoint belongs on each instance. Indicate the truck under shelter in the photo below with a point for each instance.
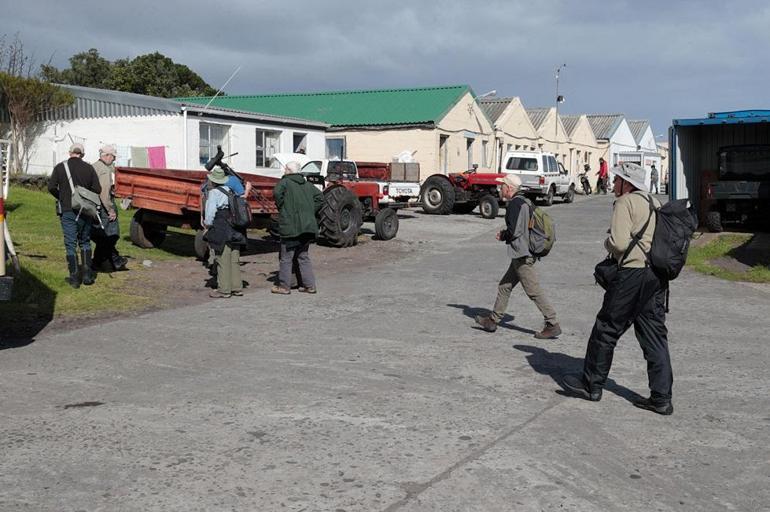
(695, 146)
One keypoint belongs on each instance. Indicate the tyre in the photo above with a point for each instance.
(340, 217)
(714, 221)
(548, 198)
(146, 234)
(464, 208)
(438, 196)
(570, 195)
(201, 246)
(488, 206)
(386, 224)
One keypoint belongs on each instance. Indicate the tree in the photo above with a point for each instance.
(24, 101)
(88, 69)
(153, 74)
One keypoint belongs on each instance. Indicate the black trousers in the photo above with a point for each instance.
(636, 297)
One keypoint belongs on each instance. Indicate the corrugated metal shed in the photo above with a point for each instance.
(604, 125)
(419, 106)
(570, 123)
(638, 127)
(101, 103)
(537, 116)
(494, 107)
(91, 103)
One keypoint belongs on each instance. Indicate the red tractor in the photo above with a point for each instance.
(462, 192)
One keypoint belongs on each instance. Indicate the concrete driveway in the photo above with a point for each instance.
(379, 394)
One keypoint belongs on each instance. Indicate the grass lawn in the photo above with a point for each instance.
(40, 291)
(726, 258)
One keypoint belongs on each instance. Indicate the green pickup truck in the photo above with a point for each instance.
(742, 193)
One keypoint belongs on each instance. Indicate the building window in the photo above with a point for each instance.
(469, 148)
(442, 152)
(300, 142)
(211, 136)
(336, 148)
(268, 144)
(484, 153)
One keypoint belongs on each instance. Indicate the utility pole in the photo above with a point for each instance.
(559, 99)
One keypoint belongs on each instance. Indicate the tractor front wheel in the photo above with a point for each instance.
(488, 206)
(386, 224)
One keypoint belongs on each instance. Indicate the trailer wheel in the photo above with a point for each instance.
(570, 195)
(386, 224)
(201, 246)
(714, 221)
(340, 217)
(465, 208)
(146, 234)
(548, 198)
(488, 206)
(438, 196)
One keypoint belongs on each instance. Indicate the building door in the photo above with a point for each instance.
(443, 153)
(469, 148)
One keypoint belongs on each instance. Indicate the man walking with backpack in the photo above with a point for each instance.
(522, 266)
(634, 296)
(298, 204)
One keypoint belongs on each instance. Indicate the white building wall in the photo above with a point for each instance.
(622, 141)
(52, 146)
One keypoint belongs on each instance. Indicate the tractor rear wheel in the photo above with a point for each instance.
(340, 217)
(146, 234)
(386, 224)
(488, 206)
(438, 196)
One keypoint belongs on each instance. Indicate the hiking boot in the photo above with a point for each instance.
(665, 408)
(118, 262)
(72, 265)
(486, 323)
(307, 289)
(88, 273)
(549, 332)
(216, 294)
(280, 290)
(575, 385)
(237, 293)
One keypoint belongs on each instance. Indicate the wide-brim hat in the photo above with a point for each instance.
(632, 173)
(217, 176)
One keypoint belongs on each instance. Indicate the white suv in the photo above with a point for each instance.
(542, 177)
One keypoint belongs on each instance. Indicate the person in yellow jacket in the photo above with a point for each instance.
(636, 296)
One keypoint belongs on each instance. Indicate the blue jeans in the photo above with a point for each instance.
(76, 232)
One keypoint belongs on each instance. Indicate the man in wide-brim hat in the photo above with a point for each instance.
(225, 241)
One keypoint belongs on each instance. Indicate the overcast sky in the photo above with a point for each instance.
(655, 60)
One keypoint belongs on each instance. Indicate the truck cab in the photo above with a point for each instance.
(394, 194)
(542, 176)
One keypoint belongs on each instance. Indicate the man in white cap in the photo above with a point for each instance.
(106, 256)
(522, 266)
(76, 227)
(636, 296)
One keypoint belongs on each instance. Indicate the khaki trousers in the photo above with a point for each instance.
(229, 270)
(522, 270)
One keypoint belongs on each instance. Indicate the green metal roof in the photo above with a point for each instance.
(351, 108)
